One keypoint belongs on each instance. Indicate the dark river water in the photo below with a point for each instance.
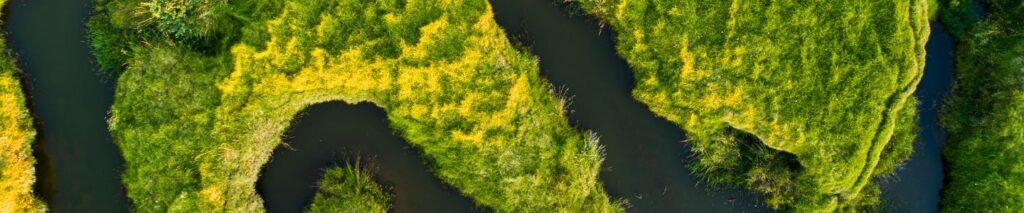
(916, 186)
(335, 133)
(644, 153)
(79, 166)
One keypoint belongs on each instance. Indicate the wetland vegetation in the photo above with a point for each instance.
(985, 113)
(207, 88)
(804, 102)
(17, 136)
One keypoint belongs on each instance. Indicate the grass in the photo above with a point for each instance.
(17, 166)
(985, 113)
(197, 114)
(350, 189)
(806, 102)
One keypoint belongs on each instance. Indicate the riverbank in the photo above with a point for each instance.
(807, 118)
(68, 98)
(985, 113)
(17, 136)
(645, 155)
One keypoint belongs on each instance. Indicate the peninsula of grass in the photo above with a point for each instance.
(17, 166)
(349, 189)
(985, 113)
(806, 102)
(206, 89)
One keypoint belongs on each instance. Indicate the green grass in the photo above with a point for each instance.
(806, 102)
(17, 166)
(985, 113)
(196, 116)
(350, 189)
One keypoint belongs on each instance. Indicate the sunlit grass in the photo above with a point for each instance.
(350, 189)
(196, 121)
(17, 166)
(806, 102)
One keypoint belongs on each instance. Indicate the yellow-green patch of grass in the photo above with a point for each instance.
(349, 189)
(798, 100)
(17, 166)
(197, 124)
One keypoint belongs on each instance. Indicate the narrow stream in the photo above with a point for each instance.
(644, 153)
(79, 166)
(917, 185)
(328, 134)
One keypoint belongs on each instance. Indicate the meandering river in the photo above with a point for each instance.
(79, 166)
(335, 133)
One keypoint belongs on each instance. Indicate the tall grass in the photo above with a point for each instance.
(17, 166)
(985, 113)
(758, 84)
(350, 189)
(197, 122)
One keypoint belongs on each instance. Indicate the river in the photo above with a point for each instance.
(79, 166)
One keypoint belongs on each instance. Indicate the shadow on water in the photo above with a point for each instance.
(326, 134)
(917, 185)
(645, 155)
(80, 166)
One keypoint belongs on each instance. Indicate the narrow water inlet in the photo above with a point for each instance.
(917, 185)
(328, 134)
(80, 167)
(644, 153)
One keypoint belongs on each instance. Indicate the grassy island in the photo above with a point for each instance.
(207, 88)
(985, 113)
(17, 166)
(806, 102)
(349, 189)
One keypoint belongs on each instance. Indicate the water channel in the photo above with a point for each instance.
(79, 166)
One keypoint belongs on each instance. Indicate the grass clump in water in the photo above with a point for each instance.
(804, 101)
(985, 113)
(17, 166)
(196, 121)
(350, 189)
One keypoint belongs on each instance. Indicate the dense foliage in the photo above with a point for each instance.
(17, 166)
(349, 189)
(804, 101)
(985, 113)
(196, 121)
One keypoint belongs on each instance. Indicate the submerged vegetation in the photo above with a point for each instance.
(349, 189)
(805, 102)
(17, 165)
(985, 113)
(205, 94)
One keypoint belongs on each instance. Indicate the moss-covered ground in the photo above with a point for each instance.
(206, 89)
(806, 102)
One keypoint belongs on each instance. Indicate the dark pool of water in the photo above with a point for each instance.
(644, 153)
(79, 166)
(916, 186)
(328, 134)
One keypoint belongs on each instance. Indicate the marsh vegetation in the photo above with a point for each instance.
(201, 105)
(804, 102)
(985, 114)
(17, 135)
